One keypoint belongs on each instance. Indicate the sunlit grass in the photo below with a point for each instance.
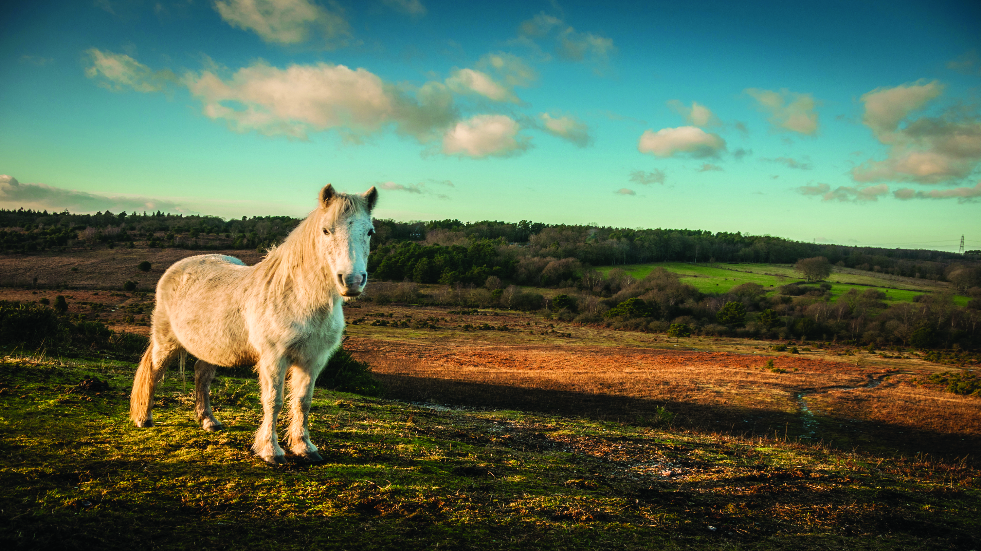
(720, 278)
(76, 473)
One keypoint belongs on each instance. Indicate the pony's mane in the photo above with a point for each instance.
(284, 263)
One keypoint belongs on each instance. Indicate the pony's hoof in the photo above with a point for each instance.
(274, 460)
(144, 424)
(212, 427)
(311, 457)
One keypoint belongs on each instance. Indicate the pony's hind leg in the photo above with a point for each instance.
(271, 378)
(204, 373)
(301, 396)
(152, 367)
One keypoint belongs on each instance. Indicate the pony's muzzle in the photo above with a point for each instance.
(351, 285)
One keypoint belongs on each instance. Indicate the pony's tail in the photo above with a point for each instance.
(141, 399)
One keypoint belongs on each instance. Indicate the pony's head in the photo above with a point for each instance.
(343, 234)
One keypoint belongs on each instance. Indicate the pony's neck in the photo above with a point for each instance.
(300, 273)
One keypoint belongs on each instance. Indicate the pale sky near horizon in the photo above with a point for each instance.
(841, 122)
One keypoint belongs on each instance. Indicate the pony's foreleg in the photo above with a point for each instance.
(204, 373)
(301, 396)
(151, 370)
(271, 378)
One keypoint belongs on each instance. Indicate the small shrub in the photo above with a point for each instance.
(129, 286)
(347, 374)
(679, 330)
(144, 266)
(60, 305)
(780, 347)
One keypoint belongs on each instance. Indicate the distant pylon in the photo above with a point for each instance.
(961, 250)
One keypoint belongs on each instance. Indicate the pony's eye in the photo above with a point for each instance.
(326, 231)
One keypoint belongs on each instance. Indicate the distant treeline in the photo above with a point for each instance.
(450, 251)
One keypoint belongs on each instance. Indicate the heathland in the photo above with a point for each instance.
(506, 395)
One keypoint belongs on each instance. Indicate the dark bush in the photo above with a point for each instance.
(732, 313)
(347, 374)
(631, 308)
(679, 330)
(129, 286)
(60, 305)
(144, 266)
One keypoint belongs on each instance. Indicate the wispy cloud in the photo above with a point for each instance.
(696, 115)
(14, 194)
(708, 167)
(648, 178)
(287, 21)
(569, 44)
(967, 63)
(36, 60)
(845, 193)
(625, 191)
(684, 140)
(120, 72)
(408, 7)
(962, 194)
(788, 110)
(566, 127)
(422, 188)
(790, 163)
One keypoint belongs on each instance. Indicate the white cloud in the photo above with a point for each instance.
(485, 136)
(926, 150)
(886, 107)
(14, 194)
(647, 178)
(708, 167)
(409, 7)
(625, 191)
(567, 128)
(285, 21)
(788, 110)
(962, 194)
(304, 98)
(469, 81)
(119, 72)
(687, 140)
(696, 115)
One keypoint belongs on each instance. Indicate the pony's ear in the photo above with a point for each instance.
(371, 197)
(326, 195)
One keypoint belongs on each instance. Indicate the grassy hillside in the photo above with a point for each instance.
(719, 278)
(77, 474)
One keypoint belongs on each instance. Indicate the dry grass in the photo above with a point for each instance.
(858, 400)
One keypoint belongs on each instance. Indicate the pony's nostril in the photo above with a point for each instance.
(340, 280)
(364, 278)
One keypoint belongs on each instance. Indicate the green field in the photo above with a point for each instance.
(719, 278)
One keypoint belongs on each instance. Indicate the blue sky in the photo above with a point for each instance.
(850, 122)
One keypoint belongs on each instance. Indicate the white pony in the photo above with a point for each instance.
(282, 315)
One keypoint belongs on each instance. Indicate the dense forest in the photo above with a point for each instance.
(450, 251)
(485, 263)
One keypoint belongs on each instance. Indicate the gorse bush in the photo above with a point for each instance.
(33, 325)
(345, 373)
(967, 383)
